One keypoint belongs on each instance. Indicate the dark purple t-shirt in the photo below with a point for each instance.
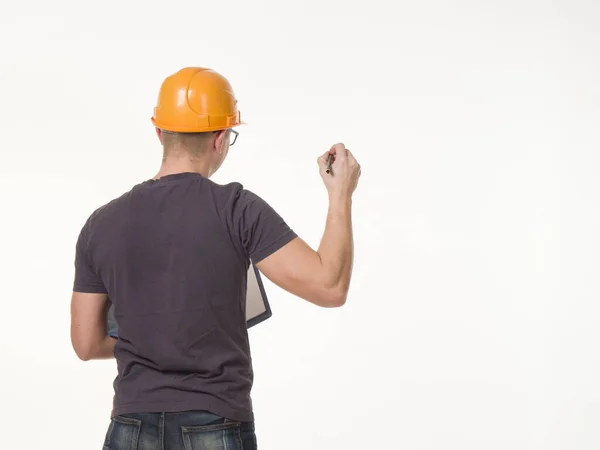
(173, 255)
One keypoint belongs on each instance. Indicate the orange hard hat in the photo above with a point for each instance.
(196, 99)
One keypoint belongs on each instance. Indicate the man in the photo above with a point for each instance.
(172, 255)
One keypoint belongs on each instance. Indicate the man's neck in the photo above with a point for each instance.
(171, 167)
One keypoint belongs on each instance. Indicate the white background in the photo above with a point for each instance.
(472, 321)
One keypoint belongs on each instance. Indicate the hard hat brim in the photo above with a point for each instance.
(176, 129)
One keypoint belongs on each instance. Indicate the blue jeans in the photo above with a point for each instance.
(189, 430)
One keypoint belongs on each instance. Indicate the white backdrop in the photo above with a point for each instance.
(472, 321)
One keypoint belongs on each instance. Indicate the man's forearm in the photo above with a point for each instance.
(337, 247)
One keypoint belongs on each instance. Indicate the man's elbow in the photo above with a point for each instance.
(84, 356)
(334, 298)
(84, 353)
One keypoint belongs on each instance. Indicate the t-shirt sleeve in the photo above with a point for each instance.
(86, 279)
(259, 228)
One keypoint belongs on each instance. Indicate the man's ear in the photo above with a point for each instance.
(219, 141)
(159, 134)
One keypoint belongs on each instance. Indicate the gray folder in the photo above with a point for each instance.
(257, 305)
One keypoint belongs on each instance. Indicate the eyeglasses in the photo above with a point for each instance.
(233, 137)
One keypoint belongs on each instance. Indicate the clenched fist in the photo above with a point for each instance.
(345, 171)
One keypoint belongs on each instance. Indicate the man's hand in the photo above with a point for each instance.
(343, 178)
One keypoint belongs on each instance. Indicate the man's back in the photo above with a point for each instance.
(173, 256)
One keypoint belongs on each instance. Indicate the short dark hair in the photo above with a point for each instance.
(194, 143)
